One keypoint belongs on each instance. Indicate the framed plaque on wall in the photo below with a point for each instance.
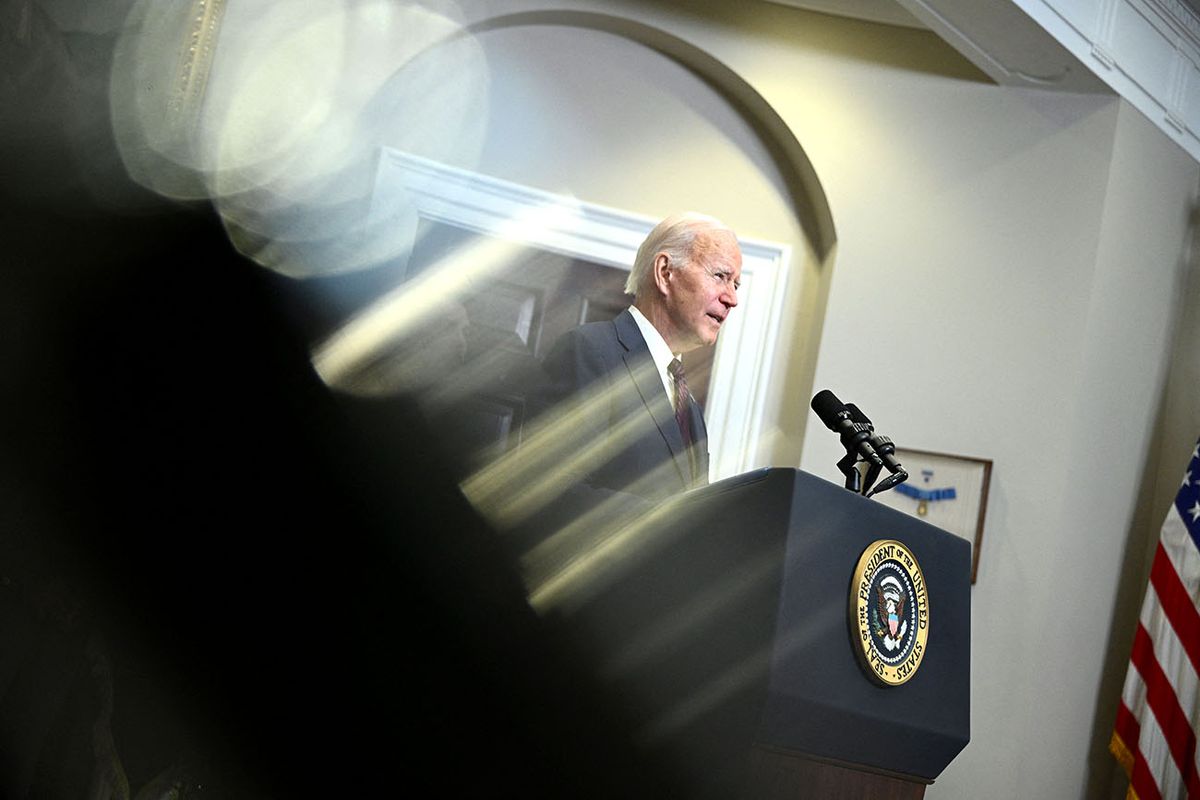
(945, 490)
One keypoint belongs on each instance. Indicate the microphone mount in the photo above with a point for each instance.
(858, 436)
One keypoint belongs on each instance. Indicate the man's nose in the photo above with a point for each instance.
(729, 297)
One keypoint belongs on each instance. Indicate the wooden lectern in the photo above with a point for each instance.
(726, 632)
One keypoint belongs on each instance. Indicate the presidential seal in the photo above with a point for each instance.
(889, 612)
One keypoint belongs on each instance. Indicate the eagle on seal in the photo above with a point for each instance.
(889, 601)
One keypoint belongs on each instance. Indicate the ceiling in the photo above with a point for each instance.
(998, 37)
(1145, 51)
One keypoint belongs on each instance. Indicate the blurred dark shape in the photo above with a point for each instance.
(296, 599)
(213, 575)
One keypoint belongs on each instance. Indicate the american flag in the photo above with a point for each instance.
(1154, 738)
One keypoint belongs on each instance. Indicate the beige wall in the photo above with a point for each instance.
(1008, 283)
(589, 114)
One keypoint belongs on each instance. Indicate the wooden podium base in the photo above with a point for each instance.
(776, 774)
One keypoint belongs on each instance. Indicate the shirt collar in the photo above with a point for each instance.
(660, 352)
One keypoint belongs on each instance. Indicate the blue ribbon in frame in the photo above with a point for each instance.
(928, 495)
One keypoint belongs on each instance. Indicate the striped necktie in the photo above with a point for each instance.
(683, 399)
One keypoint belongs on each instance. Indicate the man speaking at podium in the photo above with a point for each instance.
(619, 388)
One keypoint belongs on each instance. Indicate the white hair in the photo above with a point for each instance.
(675, 236)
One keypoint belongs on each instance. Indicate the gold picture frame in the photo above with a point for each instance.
(949, 491)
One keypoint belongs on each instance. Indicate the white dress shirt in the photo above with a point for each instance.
(660, 352)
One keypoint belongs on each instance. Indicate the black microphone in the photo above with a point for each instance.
(900, 476)
(887, 453)
(872, 472)
(882, 444)
(855, 435)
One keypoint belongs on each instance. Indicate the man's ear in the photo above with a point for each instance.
(662, 274)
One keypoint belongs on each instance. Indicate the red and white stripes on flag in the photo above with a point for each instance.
(1154, 738)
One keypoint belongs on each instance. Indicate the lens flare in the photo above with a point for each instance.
(277, 112)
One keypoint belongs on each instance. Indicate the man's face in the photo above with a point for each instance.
(702, 293)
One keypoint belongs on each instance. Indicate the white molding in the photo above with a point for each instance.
(1179, 17)
(1002, 40)
(1146, 50)
(742, 364)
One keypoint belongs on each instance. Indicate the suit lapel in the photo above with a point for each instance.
(650, 387)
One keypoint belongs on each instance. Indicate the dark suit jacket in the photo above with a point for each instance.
(624, 422)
